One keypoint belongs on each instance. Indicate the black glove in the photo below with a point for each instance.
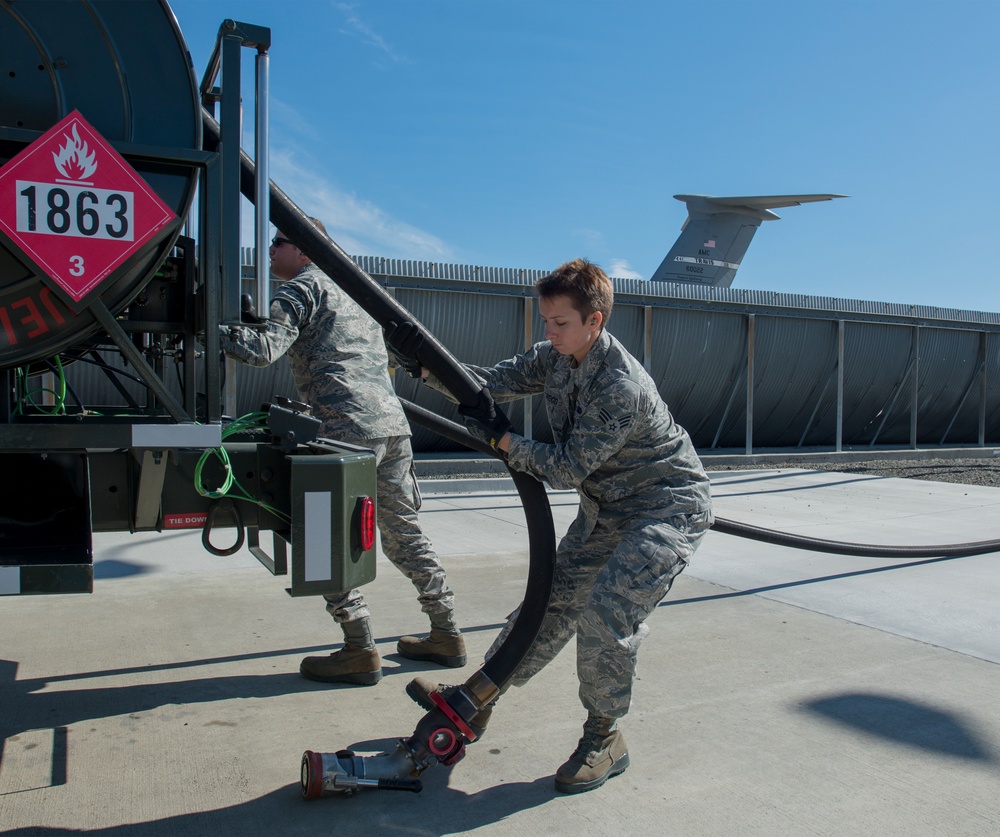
(404, 340)
(247, 312)
(486, 421)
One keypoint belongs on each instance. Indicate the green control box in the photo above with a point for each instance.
(318, 499)
(333, 521)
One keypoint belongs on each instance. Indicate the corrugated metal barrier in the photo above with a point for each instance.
(741, 370)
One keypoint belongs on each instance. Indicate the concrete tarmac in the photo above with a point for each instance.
(780, 691)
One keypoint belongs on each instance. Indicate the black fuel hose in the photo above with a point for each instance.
(541, 534)
(757, 533)
(336, 264)
(452, 431)
(384, 309)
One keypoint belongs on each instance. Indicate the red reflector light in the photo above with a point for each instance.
(367, 523)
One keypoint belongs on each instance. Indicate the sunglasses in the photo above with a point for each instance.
(277, 241)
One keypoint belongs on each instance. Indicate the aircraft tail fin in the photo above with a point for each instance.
(716, 234)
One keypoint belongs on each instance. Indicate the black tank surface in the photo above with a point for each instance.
(125, 67)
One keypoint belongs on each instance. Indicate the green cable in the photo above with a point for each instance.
(239, 425)
(23, 395)
(62, 386)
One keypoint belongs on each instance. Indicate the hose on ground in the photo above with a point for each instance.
(758, 533)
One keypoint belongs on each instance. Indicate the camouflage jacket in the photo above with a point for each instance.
(615, 441)
(337, 355)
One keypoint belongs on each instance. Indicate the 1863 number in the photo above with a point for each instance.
(74, 211)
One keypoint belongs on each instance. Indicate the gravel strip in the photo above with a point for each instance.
(962, 471)
(966, 471)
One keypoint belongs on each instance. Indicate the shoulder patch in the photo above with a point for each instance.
(614, 423)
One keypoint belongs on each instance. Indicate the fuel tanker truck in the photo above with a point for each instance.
(122, 178)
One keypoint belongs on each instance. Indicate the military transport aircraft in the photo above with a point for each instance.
(716, 234)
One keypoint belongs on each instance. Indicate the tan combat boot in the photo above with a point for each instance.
(601, 754)
(419, 689)
(358, 662)
(445, 645)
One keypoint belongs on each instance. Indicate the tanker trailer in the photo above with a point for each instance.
(102, 168)
(106, 143)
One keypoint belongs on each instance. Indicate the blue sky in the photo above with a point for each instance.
(523, 133)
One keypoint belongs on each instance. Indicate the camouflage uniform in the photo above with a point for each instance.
(644, 507)
(340, 365)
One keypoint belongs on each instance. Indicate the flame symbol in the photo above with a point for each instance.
(74, 160)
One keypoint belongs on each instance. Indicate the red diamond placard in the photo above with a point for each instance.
(76, 208)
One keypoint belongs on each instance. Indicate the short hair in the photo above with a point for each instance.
(587, 286)
(319, 224)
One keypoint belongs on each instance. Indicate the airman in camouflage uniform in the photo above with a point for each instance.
(339, 362)
(644, 504)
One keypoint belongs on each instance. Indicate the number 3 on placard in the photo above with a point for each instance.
(77, 268)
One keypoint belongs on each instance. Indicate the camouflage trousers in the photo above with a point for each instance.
(605, 586)
(403, 541)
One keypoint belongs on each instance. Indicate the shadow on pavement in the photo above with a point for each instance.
(905, 722)
(437, 811)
